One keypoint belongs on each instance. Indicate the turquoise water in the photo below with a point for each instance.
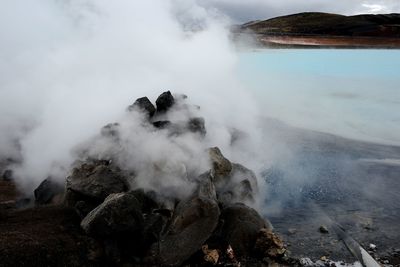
(352, 93)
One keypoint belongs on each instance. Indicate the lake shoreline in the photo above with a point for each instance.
(305, 41)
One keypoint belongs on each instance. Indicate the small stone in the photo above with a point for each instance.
(292, 231)
(210, 255)
(324, 258)
(372, 246)
(323, 229)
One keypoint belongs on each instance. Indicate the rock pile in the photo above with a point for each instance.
(214, 225)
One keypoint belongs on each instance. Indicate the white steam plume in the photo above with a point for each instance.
(70, 67)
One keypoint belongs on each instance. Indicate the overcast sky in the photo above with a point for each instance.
(246, 10)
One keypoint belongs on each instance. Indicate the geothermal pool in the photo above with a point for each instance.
(352, 93)
(336, 116)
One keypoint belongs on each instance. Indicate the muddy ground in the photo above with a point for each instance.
(328, 180)
(41, 236)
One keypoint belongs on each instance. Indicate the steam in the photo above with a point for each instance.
(71, 67)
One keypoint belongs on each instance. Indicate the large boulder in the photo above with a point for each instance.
(234, 182)
(239, 227)
(118, 215)
(165, 101)
(96, 180)
(90, 183)
(193, 222)
(239, 186)
(47, 191)
(143, 104)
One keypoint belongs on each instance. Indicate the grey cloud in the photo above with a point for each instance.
(242, 11)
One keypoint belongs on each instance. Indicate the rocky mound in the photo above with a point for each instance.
(213, 224)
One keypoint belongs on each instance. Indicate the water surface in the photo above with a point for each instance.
(352, 93)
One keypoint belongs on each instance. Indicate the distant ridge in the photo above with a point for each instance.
(325, 29)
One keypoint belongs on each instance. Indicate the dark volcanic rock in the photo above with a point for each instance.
(94, 181)
(143, 104)
(165, 101)
(46, 191)
(148, 201)
(161, 124)
(110, 130)
(192, 224)
(239, 227)
(197, 125)
(119, 214)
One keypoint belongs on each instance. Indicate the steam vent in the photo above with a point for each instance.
(110, 215)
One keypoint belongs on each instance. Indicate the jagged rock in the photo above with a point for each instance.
(165, 101)
(221, 167)
(234, 182)
(161, 124)
(242, 184)
(110, 130)
(192, 224)
(47, 191)
(143, 104)
(96, 180)
(239, 227)
(119, 214)
(197, 125)
(268, 244)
